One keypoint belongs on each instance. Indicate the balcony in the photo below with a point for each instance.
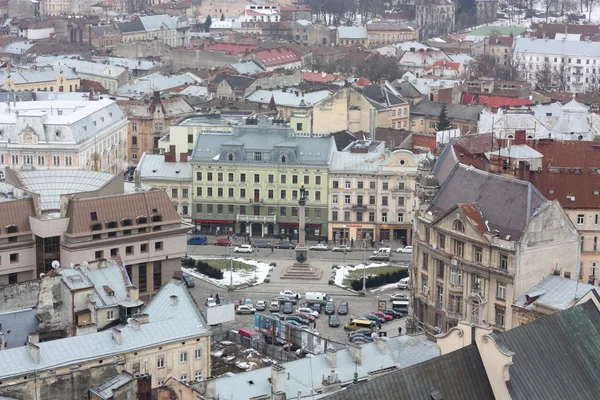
(359, 206)
(454, 315)
(256, 218)
(256, 200)
(453, 287)
(404, 190)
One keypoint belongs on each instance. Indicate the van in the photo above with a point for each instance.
(317, 298)
(198, 240)
(400, 306)
(254, 336)
(387, 250)
(358, 324)
(403, 283)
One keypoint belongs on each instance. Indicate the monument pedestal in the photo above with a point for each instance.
(301, 270)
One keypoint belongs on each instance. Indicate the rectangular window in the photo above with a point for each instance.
(158, 246)
(256, 178)
(220, 177)
(283, 211)
(230, 209)
(110, 315)
(174, 193)
(199, 208)
(190, 138)
(219, 192)
(99, 254)
(385, 185)
(257, 156)
(129, 250)
(459, 248)
(334, 215)
(384, 200)
(384, 217)
(243, 193)
(198, 176)
(143, 247)
(198, 191)
(359, 184)
(294, 211)
(439, 268)
(198, 353)
(580, 219)
(242, 177)
(500, 311)
(209, 176)
(372, 200)
(183, 357)
(184, 193)
(359, 216)
(441, 241)
(270, 194)
(230, 192)
(346, 216)
(501, 290)
(143, 277)
(372, 185)
(503, 261)
(317, 195)
(41, 160)
(400, 218)
(334, 199)
(209, 208)
(160, 362)
(456, 276)
(372, 216)
(347, 199)
(335, 184)
(230, 177)
(271, 178)
(478, 254)
(317, 180)
(198, 376)
(283, 179)
(219, 209)
(283, 194)
(306, 180)
(294, 179)
(317, 213)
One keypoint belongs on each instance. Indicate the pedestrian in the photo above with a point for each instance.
(217, 299)
(351, 317)
(315, 322)
(352, 243)
(211, 295)
(297, 297)
(399, 331)
(378, 327)
(272, 249)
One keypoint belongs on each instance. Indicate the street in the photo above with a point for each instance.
(283, 258)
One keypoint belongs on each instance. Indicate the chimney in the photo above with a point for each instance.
(355, 352)
(34, 338)
(142, 318)
(520, 137)
(135, 324)
(381, 343)
(278, 379)
(116, 335)
(34, 351)
(133, 293)
(331, 357)
(170, 155)
(174, 300)
(183, 157)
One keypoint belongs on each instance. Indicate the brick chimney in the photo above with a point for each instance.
(520, 137)
(170, 155)
(183, 157)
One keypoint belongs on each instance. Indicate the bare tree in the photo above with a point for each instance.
(561, 75)
(543, 76)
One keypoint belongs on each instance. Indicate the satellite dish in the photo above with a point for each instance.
(55, 264)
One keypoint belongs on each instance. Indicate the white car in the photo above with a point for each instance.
(291, 294)
(405, 250)
(308, 311)
(260, 305)
(274, 306)
(245, 248)
(399, 296)
(319, 247)
(210, 302)
(343, 248)
(245, 310)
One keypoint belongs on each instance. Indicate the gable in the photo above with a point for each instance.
(467, 215)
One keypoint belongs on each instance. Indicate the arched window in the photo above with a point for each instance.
(458, 226)
(230, 157)
(282, 159)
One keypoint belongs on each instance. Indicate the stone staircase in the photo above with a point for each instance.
(302, 272)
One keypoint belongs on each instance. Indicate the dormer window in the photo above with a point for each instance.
(458, 226)
(230, 157)
(142, 220)
(157, 218)
(11, 229)
(126, 222)
(96, 227)
(282, 159)
(111, 224)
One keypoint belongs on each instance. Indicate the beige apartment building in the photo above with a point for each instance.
(371, 194)
(169, 338)
(41, 79)
(479, 248)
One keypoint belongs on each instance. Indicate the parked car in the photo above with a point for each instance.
(405, 250)
(288, 308)
(308, 317)
(260, 305)
(285, 246)
(383, 250)
(308, 310)
(276, 315)
(362, 339)
(361, 331)
(294, 323)
(343, 308)
(295, 318)
(399, 296)
(393, 313)
(248, 302)
(381, 314)
(329, 308)
(283, 299)
(244, 248)
(223, 242)
(263, 244)
(373, 318)
(316, 308)
(291, 293)
(197, 240)
(274, 306)
(343, 248)
(274, 340)
(210, 302)
(334, 321)
(403, 283)
(319, 247)
(189, 280)
(245, 310)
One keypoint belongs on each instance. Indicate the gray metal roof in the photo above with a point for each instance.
(105, 391)
(455, 112)
(157, 22)
(167, 323)
(307, 373)
(459, 375)
(346, 161)
(40, 74)
(289, 97)
(556, 357)
(154, 167)
(249, 67)
(53, 183)
(563, 48)
(276, 140)
(555, 292)
(352, 32)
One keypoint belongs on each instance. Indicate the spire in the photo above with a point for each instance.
(272, 106)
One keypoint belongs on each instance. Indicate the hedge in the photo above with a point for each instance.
(202, 267)
(378, 280)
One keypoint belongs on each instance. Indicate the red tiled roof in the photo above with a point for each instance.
(581, 179)
(232, 49)
(87, 86)
(495, 101)
(473, 214)
(501, 40)
(362, 81)
(278, 56)
(444, 64)
(321, 77)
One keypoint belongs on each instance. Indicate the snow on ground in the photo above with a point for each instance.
(240, 277)
(342, 272)
(384, 287)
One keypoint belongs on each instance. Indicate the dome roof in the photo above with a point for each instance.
(430, 181)
(574, 107)
(425, 163)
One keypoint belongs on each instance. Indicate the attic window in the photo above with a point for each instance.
(110, 114)
(111, 225)
(94, 123)
(126, 222)
(550, 191)
(458, 226)
(96, 227)
(94, 216)
(101, 119)
(157, 218)
(12, 229)
(85, 127)
(230, 157)
(142, 220)
(282, 159)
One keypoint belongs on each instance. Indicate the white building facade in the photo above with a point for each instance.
(86, 135)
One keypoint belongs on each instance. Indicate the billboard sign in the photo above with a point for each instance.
(220, 314)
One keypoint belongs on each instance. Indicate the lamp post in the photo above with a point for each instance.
(364, 288)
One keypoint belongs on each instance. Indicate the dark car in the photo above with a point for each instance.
(334, 321)
(361, 338)
(284, 299)
(189, 280)
(274, 340)
(393, 313)
(262, 244)
(343, 308)
(329, 308)
(276, 315)
(222, 242)
(288, 308)
(294, 323)
(306, 316)
(316, 307)
(361, 331)
(373, 318)
(285, 245)
(295, 318)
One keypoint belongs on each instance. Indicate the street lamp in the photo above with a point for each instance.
(364, 288)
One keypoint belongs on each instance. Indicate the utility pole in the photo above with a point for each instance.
(230, 268)
(364, 288)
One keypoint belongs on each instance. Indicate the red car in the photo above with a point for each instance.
(382, 315)
(309, 317)
(222, 242)
(236, 304)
